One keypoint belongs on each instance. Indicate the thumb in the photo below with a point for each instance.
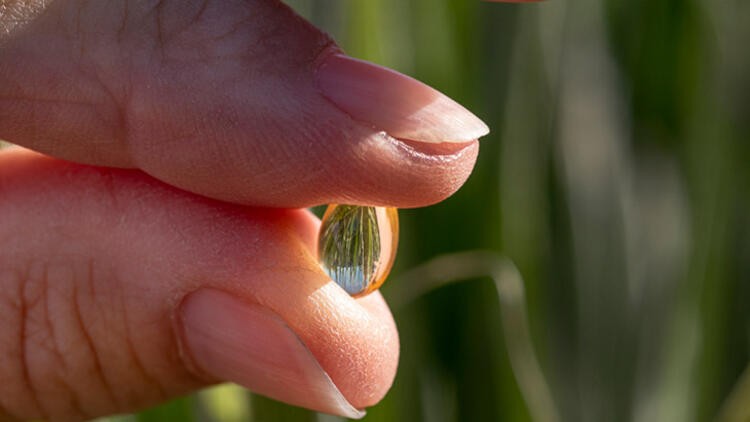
(118, 292)
(240, 101)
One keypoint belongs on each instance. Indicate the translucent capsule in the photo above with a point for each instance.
(357, 246)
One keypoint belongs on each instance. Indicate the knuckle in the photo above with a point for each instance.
(198, 30)
(53, 370)
(71, 345)
(43, 353)
(17, 395)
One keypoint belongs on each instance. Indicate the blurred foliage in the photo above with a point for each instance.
(615, 179)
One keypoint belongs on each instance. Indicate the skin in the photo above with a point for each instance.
(232, 114)
(179, 137)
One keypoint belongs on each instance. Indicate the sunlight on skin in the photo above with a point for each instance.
(420, 177)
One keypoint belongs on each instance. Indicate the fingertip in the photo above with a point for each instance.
(355, 340)
(227, 338)
(375, 361)
(334, 364)
(408, 174)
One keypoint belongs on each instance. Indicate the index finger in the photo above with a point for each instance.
(244, 102)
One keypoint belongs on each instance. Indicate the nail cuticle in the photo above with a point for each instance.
(183, 350)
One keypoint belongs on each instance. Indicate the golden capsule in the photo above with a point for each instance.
(357, 246)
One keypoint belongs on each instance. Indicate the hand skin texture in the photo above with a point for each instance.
(155, 248)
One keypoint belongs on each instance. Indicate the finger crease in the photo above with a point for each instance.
(24, 354)
(137, 360)
(56, 349)
(88, 340)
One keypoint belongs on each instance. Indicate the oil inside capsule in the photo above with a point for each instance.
(357, 246)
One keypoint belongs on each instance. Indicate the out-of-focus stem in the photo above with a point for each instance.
(447, 269)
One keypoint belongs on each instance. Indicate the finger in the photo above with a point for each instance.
(240, 101)
(117, 292)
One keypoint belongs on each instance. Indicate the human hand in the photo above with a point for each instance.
(121, 288)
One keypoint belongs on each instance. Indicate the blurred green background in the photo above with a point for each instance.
(611, 203)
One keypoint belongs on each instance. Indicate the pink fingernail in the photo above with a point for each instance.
(395, 103)
(251, 346)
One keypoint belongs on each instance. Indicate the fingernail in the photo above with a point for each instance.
(395, 103)
(251, 346)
